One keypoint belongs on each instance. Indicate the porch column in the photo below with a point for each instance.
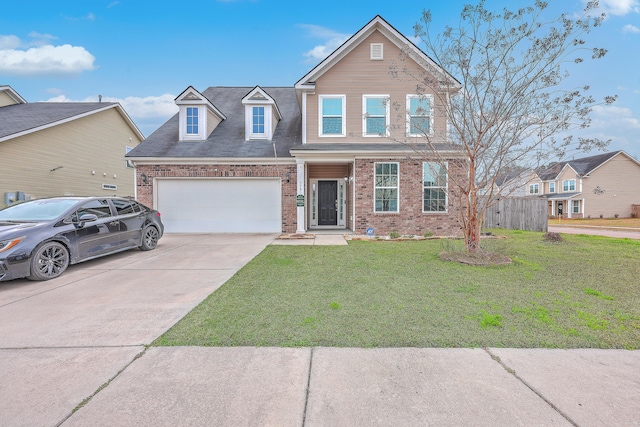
(301, 191)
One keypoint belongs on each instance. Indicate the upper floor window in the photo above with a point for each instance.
(434, 182)
(419, 118)
(375, 114)
(552, 187)
(386, 187)
(534, 188)
(332, 115)
(569, 185)
(192, 121)
(258, 120)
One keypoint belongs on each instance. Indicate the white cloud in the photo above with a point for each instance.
(332, 40)
(630, 29)
(618, 7)
(9, 42)
(43, 59)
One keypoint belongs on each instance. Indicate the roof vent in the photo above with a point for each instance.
(377, 51)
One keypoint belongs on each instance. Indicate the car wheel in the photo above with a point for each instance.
(49, 261)
(149, 238)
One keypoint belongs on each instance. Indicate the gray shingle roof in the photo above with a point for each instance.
(18, 118)
(228, 138)
(582, 166)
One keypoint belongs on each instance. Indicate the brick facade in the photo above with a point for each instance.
(410, 220)
(289, 210)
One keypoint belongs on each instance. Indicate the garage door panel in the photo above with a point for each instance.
(220, 205)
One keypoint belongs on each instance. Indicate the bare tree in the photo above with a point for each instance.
(504, 97)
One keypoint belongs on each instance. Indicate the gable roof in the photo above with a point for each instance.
(191, 96)
(583, 166)
(260, 96)
(380, 24)
(22, 119)
(228, 138)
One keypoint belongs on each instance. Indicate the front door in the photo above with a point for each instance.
(327, 202)
(560, 208)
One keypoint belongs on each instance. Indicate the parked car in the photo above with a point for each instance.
(40, 238)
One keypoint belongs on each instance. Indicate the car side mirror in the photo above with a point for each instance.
(87, 217)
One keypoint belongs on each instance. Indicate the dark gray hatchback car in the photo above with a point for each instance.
(40, 238)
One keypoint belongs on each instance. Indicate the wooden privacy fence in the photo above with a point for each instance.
(517, 213)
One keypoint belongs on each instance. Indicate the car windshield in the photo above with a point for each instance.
(37, 210)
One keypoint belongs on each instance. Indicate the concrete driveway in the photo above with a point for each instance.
(62, 339)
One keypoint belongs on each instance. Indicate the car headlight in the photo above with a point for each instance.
(5, 245)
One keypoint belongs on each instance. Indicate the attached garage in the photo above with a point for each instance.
(220, 205)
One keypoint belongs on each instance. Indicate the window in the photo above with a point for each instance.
(569, 185)
(419, 115)
(99, 208)
(258, 120)
(434, 182)
(123, 207)
(534, 188)
(386, 184)
(552, 187)
(375, 115)
(332, 115)
(129, 163)
(576, 206)
(192, 120)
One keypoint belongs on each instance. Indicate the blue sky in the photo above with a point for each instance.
(144, 53)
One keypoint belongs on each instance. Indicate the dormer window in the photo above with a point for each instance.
(192, 120)
(261, 114)
(197, 116)
(258, 121)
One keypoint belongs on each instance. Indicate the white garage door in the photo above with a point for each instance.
(226, 205)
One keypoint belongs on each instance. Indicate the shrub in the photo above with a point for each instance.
(616, 215)
(427, 233)
(394, 235)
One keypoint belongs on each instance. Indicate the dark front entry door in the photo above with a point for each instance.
(327, 200)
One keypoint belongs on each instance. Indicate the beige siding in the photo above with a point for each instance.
(567, 174)
(6, 100)
(94, 143)
(612, 188)
(356, 75)
(212, 122)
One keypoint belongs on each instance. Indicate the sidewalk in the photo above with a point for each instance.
(246, 386)
(597, 231)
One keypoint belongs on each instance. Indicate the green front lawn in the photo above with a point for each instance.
(584, 292)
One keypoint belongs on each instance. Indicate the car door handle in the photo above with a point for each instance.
(114, 223)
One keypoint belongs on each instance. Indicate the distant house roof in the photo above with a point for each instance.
(228, 139)
(12, 94)
(21, 119)
(583, 166)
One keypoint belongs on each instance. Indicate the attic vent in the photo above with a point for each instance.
(376, 51)
(191, 96)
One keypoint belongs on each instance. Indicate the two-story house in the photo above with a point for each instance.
(331, 152)
(605, 185)
(64, 148)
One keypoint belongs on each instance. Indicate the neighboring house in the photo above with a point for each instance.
(605, 185)
(330, 152)
(64, 148)
(508, 184)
